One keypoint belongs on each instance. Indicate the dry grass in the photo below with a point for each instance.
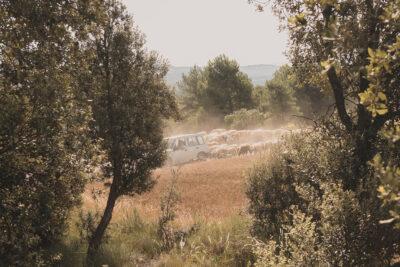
(211, 191)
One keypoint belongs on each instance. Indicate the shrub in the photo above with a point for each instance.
(168, 207)
(291, 252)
(226, 243)
(341, 226)
(244, 119)
(268, 181)
(306, 210)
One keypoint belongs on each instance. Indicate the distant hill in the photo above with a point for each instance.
(257, 73)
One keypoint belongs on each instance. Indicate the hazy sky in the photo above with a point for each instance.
(189, 32)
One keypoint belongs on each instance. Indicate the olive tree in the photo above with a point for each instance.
(383, 72)
(43, 123)
(129, 103)
(341, 38)
(350, 48)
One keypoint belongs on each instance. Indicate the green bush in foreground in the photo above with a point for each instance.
(226, 243)
(305, 212)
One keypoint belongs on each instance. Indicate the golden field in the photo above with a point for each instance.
(209, 191)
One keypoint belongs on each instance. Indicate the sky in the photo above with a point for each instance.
(191, 32)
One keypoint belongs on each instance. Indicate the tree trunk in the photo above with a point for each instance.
(96, 238)
(338, 93)
(365, 150)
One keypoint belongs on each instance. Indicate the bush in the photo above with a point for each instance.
(268, 181)
(200, 120)
(226, 243)
(306, 210)
(195, 120)
(35, 198)
(245, 119)
(291, 252)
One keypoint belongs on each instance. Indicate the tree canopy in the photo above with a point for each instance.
(130, 99)
(220, 87)
(286, 95)
(333, 43)
(352, 49)
(43, 122)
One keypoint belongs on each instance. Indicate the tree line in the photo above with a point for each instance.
(220, 89)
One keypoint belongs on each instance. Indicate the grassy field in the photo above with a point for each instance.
(209, 190)
(212, 196)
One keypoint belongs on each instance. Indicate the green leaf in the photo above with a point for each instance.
(382, 96)
(382, 111)
(371, 52)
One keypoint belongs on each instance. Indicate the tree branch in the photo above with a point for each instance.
(381, 120)
(306, 118)
(339, 99)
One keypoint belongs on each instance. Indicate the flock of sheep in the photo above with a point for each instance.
(228, 143)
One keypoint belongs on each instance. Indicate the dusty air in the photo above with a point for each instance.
(200, 133)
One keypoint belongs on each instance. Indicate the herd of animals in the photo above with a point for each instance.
(229, 143)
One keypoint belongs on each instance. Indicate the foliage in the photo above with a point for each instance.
(383, 72)
(226, 243)
(135, 242)
(267, 182)
(388, 172)
(219, 88)
(384, 67)
(228, 88)
(277, 96)
(352, 45)
(43, 123)
(356, 44)
(131, 242)
(319, 221)
(192, 88)
(130, 100)
(279, 100)
(286, 94)
(245, 119)
(86, 224)
(168, 213)
(292, 252)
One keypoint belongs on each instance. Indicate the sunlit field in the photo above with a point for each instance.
(209, 190)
